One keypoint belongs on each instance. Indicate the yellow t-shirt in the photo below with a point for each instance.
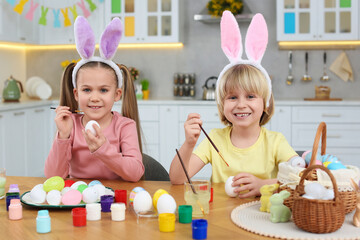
(261, 159)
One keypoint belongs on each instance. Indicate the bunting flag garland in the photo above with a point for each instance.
(22, 6)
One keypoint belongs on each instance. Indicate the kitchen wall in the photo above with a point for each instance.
(202, 55)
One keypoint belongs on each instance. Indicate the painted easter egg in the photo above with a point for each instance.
(76, 184)
(133, 193)
(335, 166)
(157, 194)
(53, 197)
(100, 189)
(82, 187)
(230, 189)
(142, 202)
(37, 194)
(68, 183)
(54, 183)
(72, 197)
(94, 182)
(89, 126)
(90, 195)
(166, 204)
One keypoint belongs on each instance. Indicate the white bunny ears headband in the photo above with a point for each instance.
(255, 45)
(85, 45)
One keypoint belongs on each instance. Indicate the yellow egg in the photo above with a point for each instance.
(54, 183)
(156, 196)
(326, 164)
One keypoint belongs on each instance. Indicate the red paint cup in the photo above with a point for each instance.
(121, 196)
(79, 217)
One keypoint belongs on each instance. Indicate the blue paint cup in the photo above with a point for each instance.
(199, 228)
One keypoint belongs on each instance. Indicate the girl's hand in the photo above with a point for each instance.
(94, 142)
(192, 129)
(63, 121)
(247, 185)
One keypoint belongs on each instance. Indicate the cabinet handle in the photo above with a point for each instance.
(39, 110)
(19, 113)
(331, 115)
(333, 136)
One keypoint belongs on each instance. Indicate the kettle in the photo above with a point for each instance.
(11, 92)
(209, 92)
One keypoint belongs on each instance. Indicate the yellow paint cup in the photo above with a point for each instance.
(156, 196)
(166, 222)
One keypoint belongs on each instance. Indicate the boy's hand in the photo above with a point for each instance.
(63, 121)
(192, 129)
(247, 185)
(94, 142)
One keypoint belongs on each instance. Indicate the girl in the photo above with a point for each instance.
(245, 104)
(93, 85)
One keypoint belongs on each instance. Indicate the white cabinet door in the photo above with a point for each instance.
(281, 122)
(8, 23)
(2, 140)
(38, 129)
(15, 142)
(149, 21)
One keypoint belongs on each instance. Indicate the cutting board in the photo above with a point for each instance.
(323, 99)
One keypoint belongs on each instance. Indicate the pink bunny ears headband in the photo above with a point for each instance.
(255, 45)
(85, 45)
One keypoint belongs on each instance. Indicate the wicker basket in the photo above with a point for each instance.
(318, 216)
(348, 197)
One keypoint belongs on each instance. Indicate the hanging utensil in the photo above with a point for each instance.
(324, 77)
(306, 77)
(290, 78)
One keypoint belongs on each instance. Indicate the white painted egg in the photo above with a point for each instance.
(142, 202)
(90, 195)
(230, 189)
(314, 190)
(65, 190)
(166, 204)
(37, 194)
(89, 126)
(100, 190)
(77, 184)
(53, 197)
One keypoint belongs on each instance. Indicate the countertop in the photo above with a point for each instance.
(284, 102)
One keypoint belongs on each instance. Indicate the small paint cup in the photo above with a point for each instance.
(185, 213)
(118, 211)
(199, 228)
(43, 222)
(106, 201)
(93, 211)
(167, 222)
(121, 196)
(15, 209)
(79, 217)
(9, 196)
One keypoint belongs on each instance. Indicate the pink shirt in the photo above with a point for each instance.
(118, 158)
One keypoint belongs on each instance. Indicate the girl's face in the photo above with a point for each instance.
(243, 109)
(96, 92)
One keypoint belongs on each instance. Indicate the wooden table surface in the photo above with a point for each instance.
(220, 225)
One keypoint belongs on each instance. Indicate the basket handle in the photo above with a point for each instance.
(321, 132)
(300, 188)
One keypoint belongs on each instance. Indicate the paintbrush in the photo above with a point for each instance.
(214, 145)
(189, 180)
(75, 111)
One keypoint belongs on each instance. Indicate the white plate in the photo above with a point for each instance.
(29, 83)
(43, 91)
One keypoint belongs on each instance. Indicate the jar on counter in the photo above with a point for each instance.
(176, 78)
(181, 91)
(192, 91)
(187, 79)
(176, 90)
(187, 90)
(192, 78)
(181, 78)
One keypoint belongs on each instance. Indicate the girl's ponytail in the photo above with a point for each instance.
(66, 89)
(129, 103)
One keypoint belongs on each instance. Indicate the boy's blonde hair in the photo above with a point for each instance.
(251, 80)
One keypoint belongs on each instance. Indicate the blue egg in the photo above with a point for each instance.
(92, 183)
(329, 158)
(336, 166)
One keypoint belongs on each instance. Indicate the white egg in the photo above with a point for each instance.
(328, 194)
(230, 189)
(53, 197)
(166, 204)
(142, 202)
(38, 195)
(90, 195)
(297, 162)
(89, 126)
(100, 189)
(65, 190)
(76, 184)
(315, 190)
(40, 186)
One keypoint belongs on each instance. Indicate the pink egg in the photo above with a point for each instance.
(72, 197)
(318, 162)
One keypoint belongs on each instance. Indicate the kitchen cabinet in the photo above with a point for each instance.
(2, 141)
(320, 20)
(151, 21)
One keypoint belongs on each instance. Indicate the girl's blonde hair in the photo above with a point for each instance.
(129, 107)
(251, 80)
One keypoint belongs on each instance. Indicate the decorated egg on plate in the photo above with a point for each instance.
(72, 197)
(82, 187)
(89, 126)
(166, 204)
(156, 196)
(94, 182)
(142, 202)
(65, 190)
(90, 195)
(37, 194)
(76, 184)
(53, 197)
(54, 183)
(230, 189)
(101, 190)
(68, 183)
(133, 193)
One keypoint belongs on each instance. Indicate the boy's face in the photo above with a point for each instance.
(96, 93)
(243, 109)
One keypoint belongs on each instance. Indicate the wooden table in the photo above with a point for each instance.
(220, 225)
